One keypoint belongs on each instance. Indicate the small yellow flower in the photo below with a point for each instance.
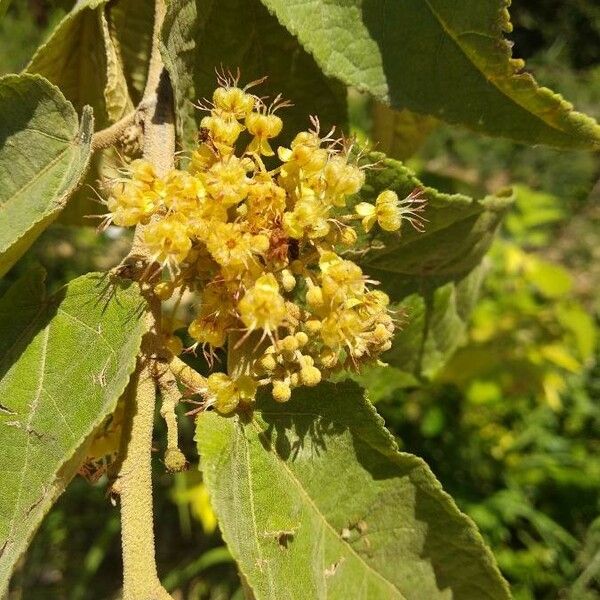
(167, 240)
(225, 393)
(266, 202)
(263, 127)
(341, 328)
(209, 330)
(341, 279)
(143, 171)
(342, 179)
(233, 101)
(262, 306)
(223, 130)
(309, 218)
(226, 181)
(183, 191)
(233, 247)
(389, 211)
(131, 204)
(203, 157)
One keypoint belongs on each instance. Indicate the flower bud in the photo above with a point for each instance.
(281, 391)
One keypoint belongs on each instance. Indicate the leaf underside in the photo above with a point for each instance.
(80, 59)
(315, 501)
(43, 154)
(64, 361)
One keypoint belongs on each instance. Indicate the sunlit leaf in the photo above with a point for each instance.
(314, 501)
(65, 359)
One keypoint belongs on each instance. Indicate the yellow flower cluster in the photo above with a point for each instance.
(263, 248)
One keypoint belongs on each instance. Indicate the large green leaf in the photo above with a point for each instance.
(200, 36)
(43, 155)
(439, 57)
(433, 277)
(315, 501)
(64, 361)
(81, 59)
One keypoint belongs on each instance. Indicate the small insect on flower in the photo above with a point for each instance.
(265, 253)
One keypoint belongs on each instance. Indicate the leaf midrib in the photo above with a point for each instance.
(328, 525)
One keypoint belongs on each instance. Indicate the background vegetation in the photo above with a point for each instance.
(510, 426)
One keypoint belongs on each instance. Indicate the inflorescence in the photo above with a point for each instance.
(263, 247)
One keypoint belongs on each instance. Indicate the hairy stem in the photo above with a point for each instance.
(140, 578)
(105, 138)
(170, 399)
(190, 378)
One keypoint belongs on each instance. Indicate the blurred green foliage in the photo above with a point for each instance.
(510, 427)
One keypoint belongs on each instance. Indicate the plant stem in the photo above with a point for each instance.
(159, 127)
(190, 378)
(110, 136)
(140, 578)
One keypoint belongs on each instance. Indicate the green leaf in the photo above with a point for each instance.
(202, 36)
(132, 22)
(458, 230)
(65, 359)
(433, 277)
(315, 501)
(444, 58)
(550, 279)
(81, 59)
(435, 324)
(399, 133)
(581, 324)
(43, 155)
(116, 94)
